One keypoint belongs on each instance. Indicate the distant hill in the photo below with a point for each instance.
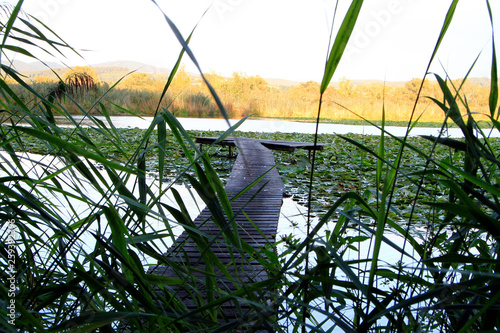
(281, 83)
(111, 74)
(387, 83)
(133, 65)
(480, 81)
(22, 66)
(109, 71)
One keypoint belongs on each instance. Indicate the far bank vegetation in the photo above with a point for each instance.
(244, 95)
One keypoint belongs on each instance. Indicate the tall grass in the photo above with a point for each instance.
(86, 227)
(244, 95)
(80, 228)
(446, 277)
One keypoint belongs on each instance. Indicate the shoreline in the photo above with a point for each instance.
(278, 126)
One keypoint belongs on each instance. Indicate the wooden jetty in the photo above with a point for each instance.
(256, 214)
(270, 144)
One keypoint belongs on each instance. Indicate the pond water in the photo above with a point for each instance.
(72, 208)
(293, 215)
(273, 126)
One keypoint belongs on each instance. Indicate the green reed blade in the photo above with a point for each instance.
(340, 43)
(174, 70)
(162, 148)
(191, 55)
(494, 71)
(444, 29)
(10, 23)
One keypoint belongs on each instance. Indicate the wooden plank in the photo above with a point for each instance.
(254, 160)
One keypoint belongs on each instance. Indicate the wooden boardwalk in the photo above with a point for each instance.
(270, 144)
(256, 219)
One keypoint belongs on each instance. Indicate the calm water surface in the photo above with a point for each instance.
(283, 126)
(293, 218)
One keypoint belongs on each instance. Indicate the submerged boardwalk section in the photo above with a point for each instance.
(256, 214)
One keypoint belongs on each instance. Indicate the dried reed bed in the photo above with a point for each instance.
(251, 95)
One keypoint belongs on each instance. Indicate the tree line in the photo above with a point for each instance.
(252, 95)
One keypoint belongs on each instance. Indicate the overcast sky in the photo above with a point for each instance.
(285, 39)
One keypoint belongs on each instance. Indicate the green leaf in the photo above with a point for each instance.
(381, 152)
(145, 238)
(452, 111)
(19, 50)
(141, 179)
(10, 23)
(490, 188)
(449, 142)
(72, 148)
(463, 259)
(180, 134)
(216, 184)
(494, 70)
(444, 28)
(162, 280)
(191, 55)
(174, 70)
(209, 197)
(90, 321)
(491, 302)
(199, 238)
(409, 278)
(118, 229)
(114, 130)
(468, 209)
(162, 148)
(340, 43)
(41, 37)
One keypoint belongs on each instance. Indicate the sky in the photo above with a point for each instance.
(286, 39)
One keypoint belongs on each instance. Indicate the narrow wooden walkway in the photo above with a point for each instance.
(270, 144)
(256, 217)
